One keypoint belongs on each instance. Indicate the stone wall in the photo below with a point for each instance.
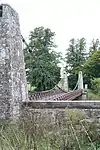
(52, 116)
(13, 87)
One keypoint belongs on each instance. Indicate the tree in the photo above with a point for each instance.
(92, 66)
(89, 69)
(95, 45)
(76, 54)
(75, 58)
(42, 63)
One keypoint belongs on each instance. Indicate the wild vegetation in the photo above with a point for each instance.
(73, 132)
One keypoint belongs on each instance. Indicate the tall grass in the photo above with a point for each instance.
(72, 133)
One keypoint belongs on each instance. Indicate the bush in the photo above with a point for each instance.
(92, 96)
(96, 85)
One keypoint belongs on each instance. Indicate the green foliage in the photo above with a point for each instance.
(42, 64)
(96, 85)
(72, 80)
(92, 66)
(75, 58)
(92, 96)
(95, 45)
(75, 55)
(78, 60)
(30, 88)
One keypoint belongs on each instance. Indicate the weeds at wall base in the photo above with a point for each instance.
(73, 132)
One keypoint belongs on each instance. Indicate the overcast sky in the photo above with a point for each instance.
(67, 18)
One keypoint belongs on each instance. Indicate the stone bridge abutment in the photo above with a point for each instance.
(13, 86)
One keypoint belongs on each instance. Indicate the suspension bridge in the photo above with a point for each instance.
(60, 91)
(59, 96)
(13, 84)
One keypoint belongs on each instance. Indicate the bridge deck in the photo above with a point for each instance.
(55, 95)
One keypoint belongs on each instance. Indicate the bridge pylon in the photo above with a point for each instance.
(80, 81)
(63, 83)
(81, 86)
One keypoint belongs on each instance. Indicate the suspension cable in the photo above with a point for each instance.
(24, 41)
(76, 86)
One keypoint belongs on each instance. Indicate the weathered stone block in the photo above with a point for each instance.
(13, 87)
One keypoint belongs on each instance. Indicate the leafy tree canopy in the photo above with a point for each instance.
(96, 85)
(75, 57)
(76, 53)
(42, 63)
(92, 66)
(95, 45)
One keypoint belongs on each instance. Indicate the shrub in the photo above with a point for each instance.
(96, 85)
